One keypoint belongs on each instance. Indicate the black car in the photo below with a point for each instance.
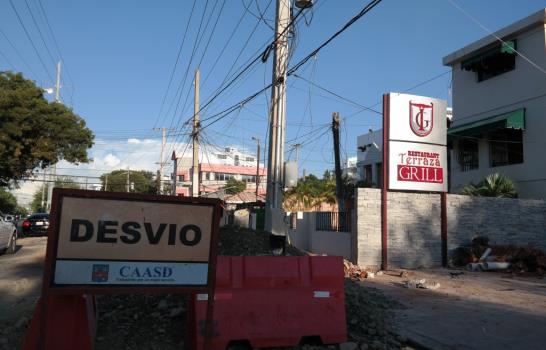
(36, 224)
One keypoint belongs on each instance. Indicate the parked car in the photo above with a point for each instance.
(36, 224)
(8, 236)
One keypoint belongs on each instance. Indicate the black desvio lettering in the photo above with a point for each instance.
(196, 235)
(132, 235)
(103, 230)
(75, 235)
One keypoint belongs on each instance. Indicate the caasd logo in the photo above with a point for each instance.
(421, 118)
(99, 273)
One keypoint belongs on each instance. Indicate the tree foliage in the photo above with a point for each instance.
(35, 132)
(234, 186)
(494, 185)
(140, 181)
(60, 182)
(8, 202)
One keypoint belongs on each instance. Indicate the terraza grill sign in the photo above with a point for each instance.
(105, 241)
(417, 139)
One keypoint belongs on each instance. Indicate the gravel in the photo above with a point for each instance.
(159, 321)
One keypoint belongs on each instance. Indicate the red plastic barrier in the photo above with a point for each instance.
(70, 324)
(273, 301)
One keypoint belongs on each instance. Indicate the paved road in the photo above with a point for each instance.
(21, 278)
(477, 310)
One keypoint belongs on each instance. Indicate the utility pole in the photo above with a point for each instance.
(175, 174)
(277, 121)
(106, 182)
(127, 185)
(53, 172)
(257, 166)
(43, 190)
(195, 135)
(335, 131)
(161, 162)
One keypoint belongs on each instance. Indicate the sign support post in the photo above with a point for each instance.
(385, 185)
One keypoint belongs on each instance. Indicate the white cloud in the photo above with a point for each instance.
(133, 141)
(111, 160)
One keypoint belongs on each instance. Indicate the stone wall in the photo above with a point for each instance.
(414, 238)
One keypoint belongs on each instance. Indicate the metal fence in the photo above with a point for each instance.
(333, 221)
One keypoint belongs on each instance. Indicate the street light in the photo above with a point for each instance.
(304, 4)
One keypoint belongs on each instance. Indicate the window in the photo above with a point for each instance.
(249, 159)
(221, 156)
(205, 175)
(236, 160)
(505, 147)
(223, 177)
(248, 178)
(180, 178)
(368, 173)
(496, 61)
(468, 156)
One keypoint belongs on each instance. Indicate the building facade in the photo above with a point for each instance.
(499, 99)
(216, 169)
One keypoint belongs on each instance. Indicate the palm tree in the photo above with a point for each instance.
(494, 185)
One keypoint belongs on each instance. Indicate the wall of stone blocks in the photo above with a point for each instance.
(414, 225)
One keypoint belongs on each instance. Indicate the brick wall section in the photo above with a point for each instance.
(503, 220)
(415, 232)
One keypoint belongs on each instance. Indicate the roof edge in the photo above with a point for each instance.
(536, 19)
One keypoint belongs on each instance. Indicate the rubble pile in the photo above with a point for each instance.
(482, 256)
(358, 273)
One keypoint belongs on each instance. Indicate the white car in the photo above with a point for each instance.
(8, 236)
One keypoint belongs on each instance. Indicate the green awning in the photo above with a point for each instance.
(510, 120)
(473, 63)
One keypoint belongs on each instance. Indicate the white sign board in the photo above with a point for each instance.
(417, 119)
(417, 139)
(417, 166)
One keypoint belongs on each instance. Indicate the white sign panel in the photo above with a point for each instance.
(417, 119)
(417, 166)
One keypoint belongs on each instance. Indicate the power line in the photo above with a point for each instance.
(30, 39)
(19, 55)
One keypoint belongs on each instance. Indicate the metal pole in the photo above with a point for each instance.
(443, 203)
(195, 167)
(58, 83)
(257, 166)
(385, 184)
(277, 118)
(175, 173)
(43, 190)
(339, 189)
(127, 186)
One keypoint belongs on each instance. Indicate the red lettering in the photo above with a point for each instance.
(420, 174)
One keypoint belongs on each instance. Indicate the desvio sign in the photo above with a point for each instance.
(103, 239)
(417, 143)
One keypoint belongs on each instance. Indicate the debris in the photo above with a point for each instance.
(356, 272)
(348, 346)
(379, 273)
(495, 265)
(456, 274)
(403, 274)
(421, 284)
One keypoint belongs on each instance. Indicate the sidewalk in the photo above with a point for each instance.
(476, 310)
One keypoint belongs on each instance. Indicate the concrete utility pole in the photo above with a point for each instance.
(339, 189)
(161, 162)
(128, 185)
(195, 135)
(53, 172)
(257, 166)
(273, 219)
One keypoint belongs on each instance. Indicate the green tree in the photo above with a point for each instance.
(140, 181)
(8, 202)
(35, 132)
(311, 192)
(60, 182)
(494, 185)
(234, 186)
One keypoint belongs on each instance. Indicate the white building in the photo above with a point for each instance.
(499, 99)
(350, 169)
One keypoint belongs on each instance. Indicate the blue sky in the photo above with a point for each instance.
(118, 58)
